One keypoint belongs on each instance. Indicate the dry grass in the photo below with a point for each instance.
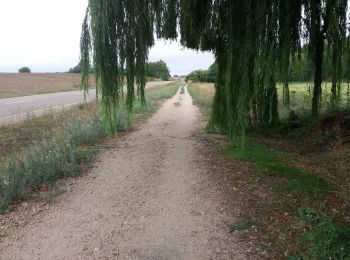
(23, 84)
(20, 136)
(205, 90)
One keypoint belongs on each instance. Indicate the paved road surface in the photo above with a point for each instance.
(14, 109)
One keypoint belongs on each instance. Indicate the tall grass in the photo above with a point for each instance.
(202, 95)
(60, 153)
(51, 159)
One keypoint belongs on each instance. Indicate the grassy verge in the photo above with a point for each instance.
(202, 95)
(41, 150)
(306, 219)
(295, 179)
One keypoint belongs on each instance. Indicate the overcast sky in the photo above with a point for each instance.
(44, 35)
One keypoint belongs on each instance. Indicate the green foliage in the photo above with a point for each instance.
(241, 224)
(49, 160)
(296, 180)
(326, 238)
(76, 69)
(209, 75)
(254, 43)
(24, 70)
(158, 70)
(85, 132)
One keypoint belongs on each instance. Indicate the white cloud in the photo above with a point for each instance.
(180, 60)
(45, 35)
(40, 34)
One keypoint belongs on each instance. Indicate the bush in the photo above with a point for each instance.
(86, 132)
(24, 70)
(157, 70)
(208, 75)
(76, 69)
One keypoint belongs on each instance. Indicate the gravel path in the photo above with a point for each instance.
(147, 198)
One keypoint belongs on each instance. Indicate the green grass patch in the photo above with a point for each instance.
(296, 180)
(242, 224)
(325, 238)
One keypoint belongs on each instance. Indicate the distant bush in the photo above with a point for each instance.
(76, 69)
(24, 70)
(158, 70)
(208, 75)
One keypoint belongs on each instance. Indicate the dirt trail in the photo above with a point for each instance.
(147, 198)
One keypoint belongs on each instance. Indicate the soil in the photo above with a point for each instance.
(155, 195)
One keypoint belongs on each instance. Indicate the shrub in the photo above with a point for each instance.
(326, 238)
(24, 70)
(76, 69)
(49, 160)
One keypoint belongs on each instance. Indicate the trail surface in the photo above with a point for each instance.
(147, 198)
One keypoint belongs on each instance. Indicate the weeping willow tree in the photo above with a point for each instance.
(253, 42)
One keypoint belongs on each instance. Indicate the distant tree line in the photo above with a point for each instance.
(208, 75)
(154, 70)
(76, 69)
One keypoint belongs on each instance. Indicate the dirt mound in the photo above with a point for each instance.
(333, 130)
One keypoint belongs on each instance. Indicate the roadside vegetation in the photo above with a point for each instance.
(304, 162)
(157, 70)
(37, 152)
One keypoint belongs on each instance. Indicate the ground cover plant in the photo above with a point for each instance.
(308, 216)
(41, 150)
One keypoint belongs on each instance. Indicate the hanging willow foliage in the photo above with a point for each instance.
(253, 41)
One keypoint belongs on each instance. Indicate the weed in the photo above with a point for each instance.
(326, 238)
(297, 180)
(85, 132)
(241, 224)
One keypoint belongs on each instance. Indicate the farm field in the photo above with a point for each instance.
(300, 98)
(25, 84)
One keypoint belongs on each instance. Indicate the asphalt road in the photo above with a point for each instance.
(18, 108)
